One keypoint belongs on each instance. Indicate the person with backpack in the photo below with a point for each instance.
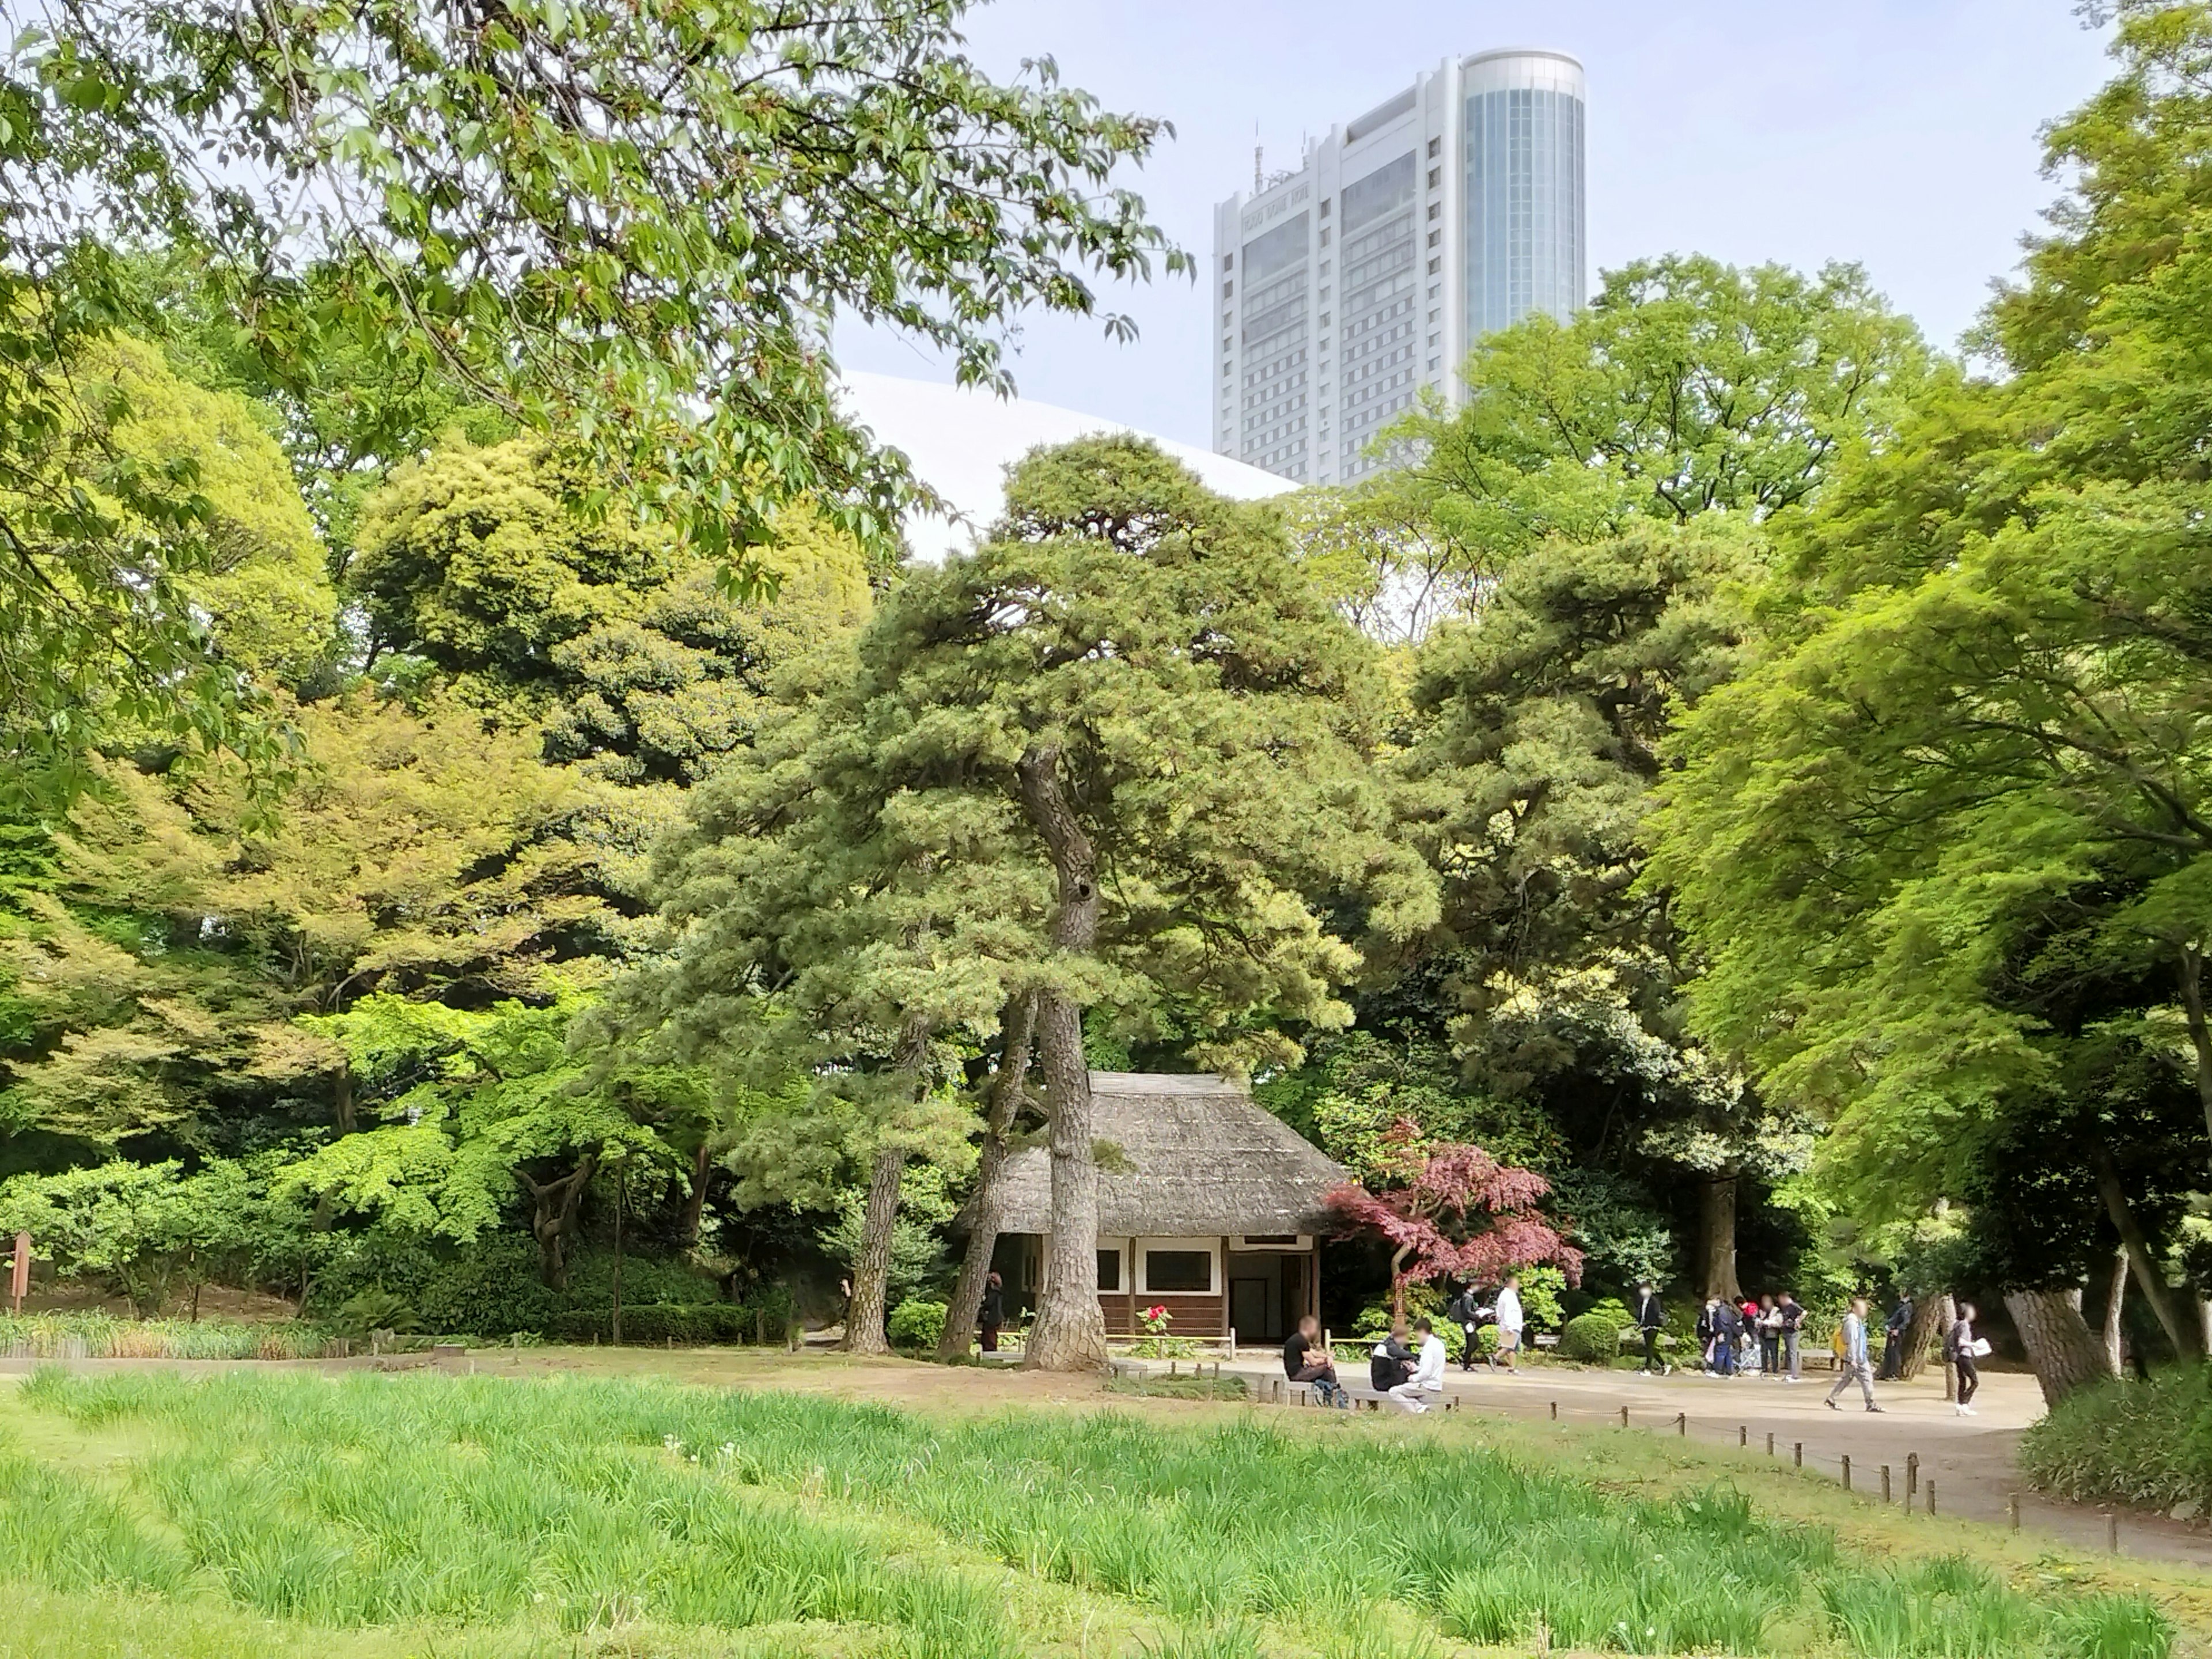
(1962, 1348)
(1851, 1362)
(1650, 1320)
(1467, 1312)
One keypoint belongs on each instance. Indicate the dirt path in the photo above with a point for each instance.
(1972, 1460)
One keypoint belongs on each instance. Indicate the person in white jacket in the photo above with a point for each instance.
(1510, 1321)
(1428, 1378)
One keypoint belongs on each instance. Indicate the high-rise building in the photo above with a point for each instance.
(1444, 214)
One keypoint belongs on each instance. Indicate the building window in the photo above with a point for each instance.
(1228, 289)
(1435, 177)
(1436, 146)
(1229, 262)
(1435, 209)
(1110, 1269)
(1188, 1271)
(1324, 207)
(1436, 237)
(1435, 265)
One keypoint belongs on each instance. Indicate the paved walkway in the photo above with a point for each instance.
(1972, 1460)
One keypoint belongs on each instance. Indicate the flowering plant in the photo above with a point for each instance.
(1156, 1343)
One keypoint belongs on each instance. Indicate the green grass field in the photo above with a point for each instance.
(421, 1515)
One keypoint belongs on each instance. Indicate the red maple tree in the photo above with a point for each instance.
(1455, 1209)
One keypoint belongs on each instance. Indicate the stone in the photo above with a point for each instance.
(2188, 1509)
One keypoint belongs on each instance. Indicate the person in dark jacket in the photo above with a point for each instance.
(1392, 1361)
(1650, 1320)
(1467, 1312)
(1894, 1330)
(1726, 1325)
(991, 1314)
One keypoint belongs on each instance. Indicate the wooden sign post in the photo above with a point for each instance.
(19, 1285)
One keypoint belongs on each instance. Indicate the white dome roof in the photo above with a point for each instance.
(961, 440)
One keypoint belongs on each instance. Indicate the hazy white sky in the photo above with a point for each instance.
(1901, 134)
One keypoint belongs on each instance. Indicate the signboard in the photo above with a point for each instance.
(20, 1284)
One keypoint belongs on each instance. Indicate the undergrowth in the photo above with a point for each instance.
(591, 1506)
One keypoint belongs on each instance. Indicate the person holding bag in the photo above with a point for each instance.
(1962, 1348)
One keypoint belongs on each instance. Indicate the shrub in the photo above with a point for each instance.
(695, 1324)
(2148, 1443)
(917, 1325)
(1593, 1338)
(376, 1309)
(490, 1288)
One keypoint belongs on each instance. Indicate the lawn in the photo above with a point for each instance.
(374, 1515)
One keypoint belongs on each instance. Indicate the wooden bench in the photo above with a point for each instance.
(1362, 1399)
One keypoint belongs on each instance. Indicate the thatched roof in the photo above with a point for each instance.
(1203, 1159)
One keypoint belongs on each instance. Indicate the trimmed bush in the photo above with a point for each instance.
(693, 1325)
(2146, 1443)
(1593, 1338)
(917, 1325)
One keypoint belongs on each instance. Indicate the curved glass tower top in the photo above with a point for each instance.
(1347, 288)
(1522, 181)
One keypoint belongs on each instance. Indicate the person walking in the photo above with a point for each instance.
(991, 1313)
(1851, 1353)
(1306, 1361)
(1466, 1312)
(1650, 1320)
(1962, 1348)
(1894, 1332)
(1428, 1378)
(1770, 1337)
(1792, 1313)
(1510, 1321)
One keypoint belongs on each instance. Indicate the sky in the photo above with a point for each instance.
(1902, 134)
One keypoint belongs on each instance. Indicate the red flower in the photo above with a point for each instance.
(1157, 1311)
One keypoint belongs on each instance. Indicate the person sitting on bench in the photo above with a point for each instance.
(1428, 1378)
(1304, 1360)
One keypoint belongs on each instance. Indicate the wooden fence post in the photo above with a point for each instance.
(1797, 1454)
(1885, 1483)
(2012, 1510)
(1847, 1471)
(1912, 1477)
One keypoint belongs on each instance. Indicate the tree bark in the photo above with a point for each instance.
(2115, 1300)
(872, 1272)
(2200, 1031)
(1931, 1314)
(1008, 1089)
(342, 1112)
(553, 1219)
(695, 1201)
(2061, 1349)
(2148, 1279)
(1070, 1333)
(1719, 1230)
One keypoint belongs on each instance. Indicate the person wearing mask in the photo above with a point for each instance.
(1791, 1314)
(1770, 1337)
(1962, 1348)
(1391, 1361)
(1467, 1312)
(1894, 1330)
(1304, 1360)
(1427, 1381)
(1747, 1349)
(1510, 1321)
(1650, 1320)
(1852, 1366)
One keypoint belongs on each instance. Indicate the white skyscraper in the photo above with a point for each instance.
(1444, 214)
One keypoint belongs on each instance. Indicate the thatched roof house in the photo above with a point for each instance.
(1213, 1208)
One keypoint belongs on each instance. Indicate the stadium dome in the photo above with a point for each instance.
(960, 441)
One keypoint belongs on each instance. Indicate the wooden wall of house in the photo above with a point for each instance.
(1187, 1315)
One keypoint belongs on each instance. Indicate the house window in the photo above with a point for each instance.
(1110, 1269)
(1187, 1271)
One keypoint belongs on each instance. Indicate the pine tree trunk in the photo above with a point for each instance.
(2200, 1029)
(1008, 1089)
(342, 1112)
(1719, 1232)
(1931, 1314)
(695, 1201)
(2061, 1349)
(1070, 1333)
(872, 1272)
(2115, 1300)
(2149, 1279)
